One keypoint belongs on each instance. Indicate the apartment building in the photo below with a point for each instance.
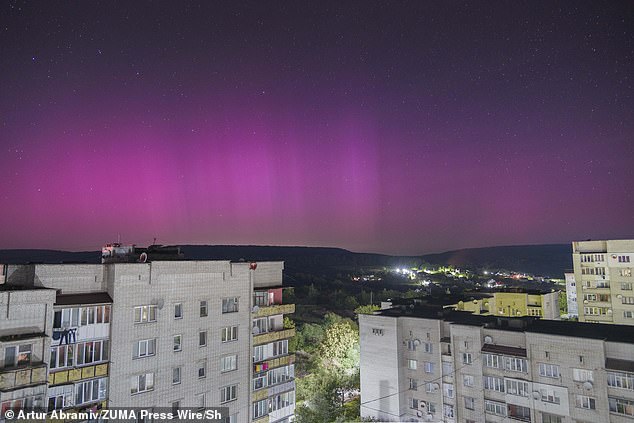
(514, 303)
(26, 317)
(164, 334)
(604, 282)
(425, 364)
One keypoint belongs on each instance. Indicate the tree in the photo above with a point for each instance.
(367, 309)
(340, 346)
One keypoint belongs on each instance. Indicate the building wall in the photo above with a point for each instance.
(610, 272)
(571, 295)
(555, 367)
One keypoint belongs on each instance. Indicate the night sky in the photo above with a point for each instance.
(397, 127)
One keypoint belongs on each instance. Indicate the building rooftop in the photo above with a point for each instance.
(88, 298)
(607, 332)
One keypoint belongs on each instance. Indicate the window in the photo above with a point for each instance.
(494, 383)
(494, 407)
(551, 418)
(447, 368)
(491, 360)
(515, 364)
(628, 314)
(17, 356)
(202, 369)
(260, 408)
(548, 370)
(229, 363)
(144, 348)
(230, 305)
(411, 345)
(413, 403)
(623, 259)
(447, 411)
(519, 413)
(230, 333)
(282, 400)
(627, 300)
(260, 325)
(516, 387)
(175, 406)
(411, 364)
(203, 309)
(469, 403)
(178, 345)
(468, 380)
(627, 272)
(429, 367)
(142, 314)
(447, 390)
(259, 382)
(178, 311)
(91, 390)
(142, 383)
(176, 375)
(280, 348)
(430, 387)
(62, 356)
(428, 347)
(583, 401)
(258, 353)
(549, 395)
(231, 419)
(92, 352)
(413, 384)
(467, 358)
(377, 331)
(281, 374)
(621, 380)
(228, 393)
(582, 375)
(200, 401)
(202, 338)
(621, 406)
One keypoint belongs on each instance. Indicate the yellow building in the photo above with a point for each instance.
(513, 304)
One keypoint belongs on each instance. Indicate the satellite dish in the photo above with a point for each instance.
(537, 395)
(253, 265)
(419, 414)
(143, 257)
(436, 386)
(587, 385)
(255, 330)
(488, 339)
(256, 309)
(422, 405)
(417, 342)
(160, 303)
(429, 417)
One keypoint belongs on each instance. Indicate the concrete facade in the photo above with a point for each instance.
(605, 285)
(454, 367)
(571, 295)
(161, 334)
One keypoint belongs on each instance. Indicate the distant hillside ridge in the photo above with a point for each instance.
(547, 260)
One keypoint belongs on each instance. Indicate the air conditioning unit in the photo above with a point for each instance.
(488, 339)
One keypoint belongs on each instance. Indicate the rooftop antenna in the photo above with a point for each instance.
(118, 238)
(154, 241)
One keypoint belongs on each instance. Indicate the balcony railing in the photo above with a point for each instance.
(18, 377)
(273, 310)
(265, 338)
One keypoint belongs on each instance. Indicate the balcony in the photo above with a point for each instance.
(73, 375)
(259, 395)
(268, 337)
(272, 310)
(273, 363)
(263, 419)
(20, 377)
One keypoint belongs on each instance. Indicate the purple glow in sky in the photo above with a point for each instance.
(397, 128)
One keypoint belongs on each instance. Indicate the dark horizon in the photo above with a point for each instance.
(373, 127)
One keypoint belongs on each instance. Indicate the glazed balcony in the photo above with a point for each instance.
(20, 377)
(273, 309)
(268, 337)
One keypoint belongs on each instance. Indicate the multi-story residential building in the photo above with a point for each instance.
(514, 303)
(571, 294)
(164, 334)
(432, 365)
(605, 286)
(26, 317)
